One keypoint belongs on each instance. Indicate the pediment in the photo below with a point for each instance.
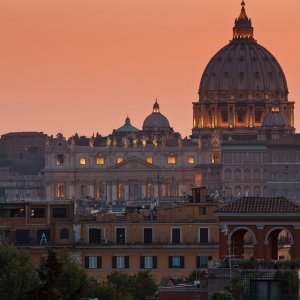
(134, 163)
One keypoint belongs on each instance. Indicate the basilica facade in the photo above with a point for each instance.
(240, 144)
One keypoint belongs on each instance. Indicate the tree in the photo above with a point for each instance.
(136, 287)
(60, 278)
(17, 274)
(144, 285)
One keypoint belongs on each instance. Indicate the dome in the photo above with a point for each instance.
(243, 69)
(156, 121)
(127, 127)
(275, 119)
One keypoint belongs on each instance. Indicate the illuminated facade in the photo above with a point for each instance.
(241, 84)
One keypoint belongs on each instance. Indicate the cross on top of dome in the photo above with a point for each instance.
(243, 26)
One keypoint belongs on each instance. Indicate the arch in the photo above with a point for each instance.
(228, 174)
(237, 191)
(257, 174)
(64, 234)
(242, 228)
(247, 174)
(237, 174)
(266, 241)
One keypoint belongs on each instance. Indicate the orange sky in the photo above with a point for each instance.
(81, 65)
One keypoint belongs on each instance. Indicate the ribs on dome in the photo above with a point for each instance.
(239, 87)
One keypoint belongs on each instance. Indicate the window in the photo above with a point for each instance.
(59, 191)
(148, 235)
(148, 262)
(191, 160)
(37, 213)
(176, 261)
(202, 261)
(121, 192)
(82, 161)
(59, 159)
(120, 262)
(64, 234)
(176, 235)
(150, 160)
(59, 212)
(93, 262)
(150, 190)
(23, 236)
(94, 236)
(120, 236)
(202, 210)
(203, 235)
(100, 160)
(171, 160)
(119, 160)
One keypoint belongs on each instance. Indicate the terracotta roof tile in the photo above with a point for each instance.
(260, 205)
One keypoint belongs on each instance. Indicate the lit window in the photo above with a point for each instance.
(59, 191)
(150, 160)
(59, 159)
(82, 160)
(191, 160)
(119, 160)
(171, 160)
(100, 160)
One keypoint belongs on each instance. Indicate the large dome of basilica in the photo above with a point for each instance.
(243, 67)
(240, 86)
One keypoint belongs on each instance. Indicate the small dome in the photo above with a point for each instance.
(127, 127)
(275, 119)
(156, 121)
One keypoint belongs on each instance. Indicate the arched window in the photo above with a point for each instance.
(237, 174)
(121, 192)
(64, 234)
(237, 191)
(100, 190)
(150, 190)
(257, 175)
(247, 174)
(59, 191)
(227, 174)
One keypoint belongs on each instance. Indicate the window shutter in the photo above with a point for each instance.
(99, 262)
(181, 261)
(154, 262)
(114, 262)
(198, 261)
(126, 262)
(86, 262)
(170, 261)
(142, 262)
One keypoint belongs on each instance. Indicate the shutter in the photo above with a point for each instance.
(198, 261)
(170, 261)
(99, 262)
(181, 261)
(126, 262)
(142, 262)
(154, 262)
(86, 262)
(114, 262)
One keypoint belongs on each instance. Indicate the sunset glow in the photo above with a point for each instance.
(82, 66)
